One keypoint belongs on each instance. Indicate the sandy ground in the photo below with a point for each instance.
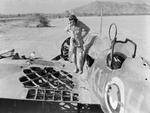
(47, 41)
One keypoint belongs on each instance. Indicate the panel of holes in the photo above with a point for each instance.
(52, 95)
(48, 78)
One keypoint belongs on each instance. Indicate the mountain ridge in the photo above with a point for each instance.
(111, 8)
(95, 8)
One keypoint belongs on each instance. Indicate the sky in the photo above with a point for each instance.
(48, 6)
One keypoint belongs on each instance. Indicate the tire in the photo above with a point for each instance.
(65, 49)
(114, 96)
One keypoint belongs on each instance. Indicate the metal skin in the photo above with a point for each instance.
(121, 90)
(13, 94)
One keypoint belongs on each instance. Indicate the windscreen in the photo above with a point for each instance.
(127, 47)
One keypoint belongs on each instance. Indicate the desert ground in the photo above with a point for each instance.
(46, 41)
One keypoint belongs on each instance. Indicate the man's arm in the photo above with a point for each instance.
(86, 30)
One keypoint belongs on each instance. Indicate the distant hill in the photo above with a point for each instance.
(91, 9)
(112, 8)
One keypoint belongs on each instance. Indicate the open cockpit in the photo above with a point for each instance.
(119, 52)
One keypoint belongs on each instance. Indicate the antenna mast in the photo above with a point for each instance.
(101, 24)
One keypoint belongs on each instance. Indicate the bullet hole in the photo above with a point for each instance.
(144, 64)
(145, 78)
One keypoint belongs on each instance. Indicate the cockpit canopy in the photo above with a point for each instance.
(120, 51)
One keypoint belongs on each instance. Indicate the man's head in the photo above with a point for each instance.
(73, 19)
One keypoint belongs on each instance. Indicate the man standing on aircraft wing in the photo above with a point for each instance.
(77, 30)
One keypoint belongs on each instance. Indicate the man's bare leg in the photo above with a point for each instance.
(80, 60)
(75, 61)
